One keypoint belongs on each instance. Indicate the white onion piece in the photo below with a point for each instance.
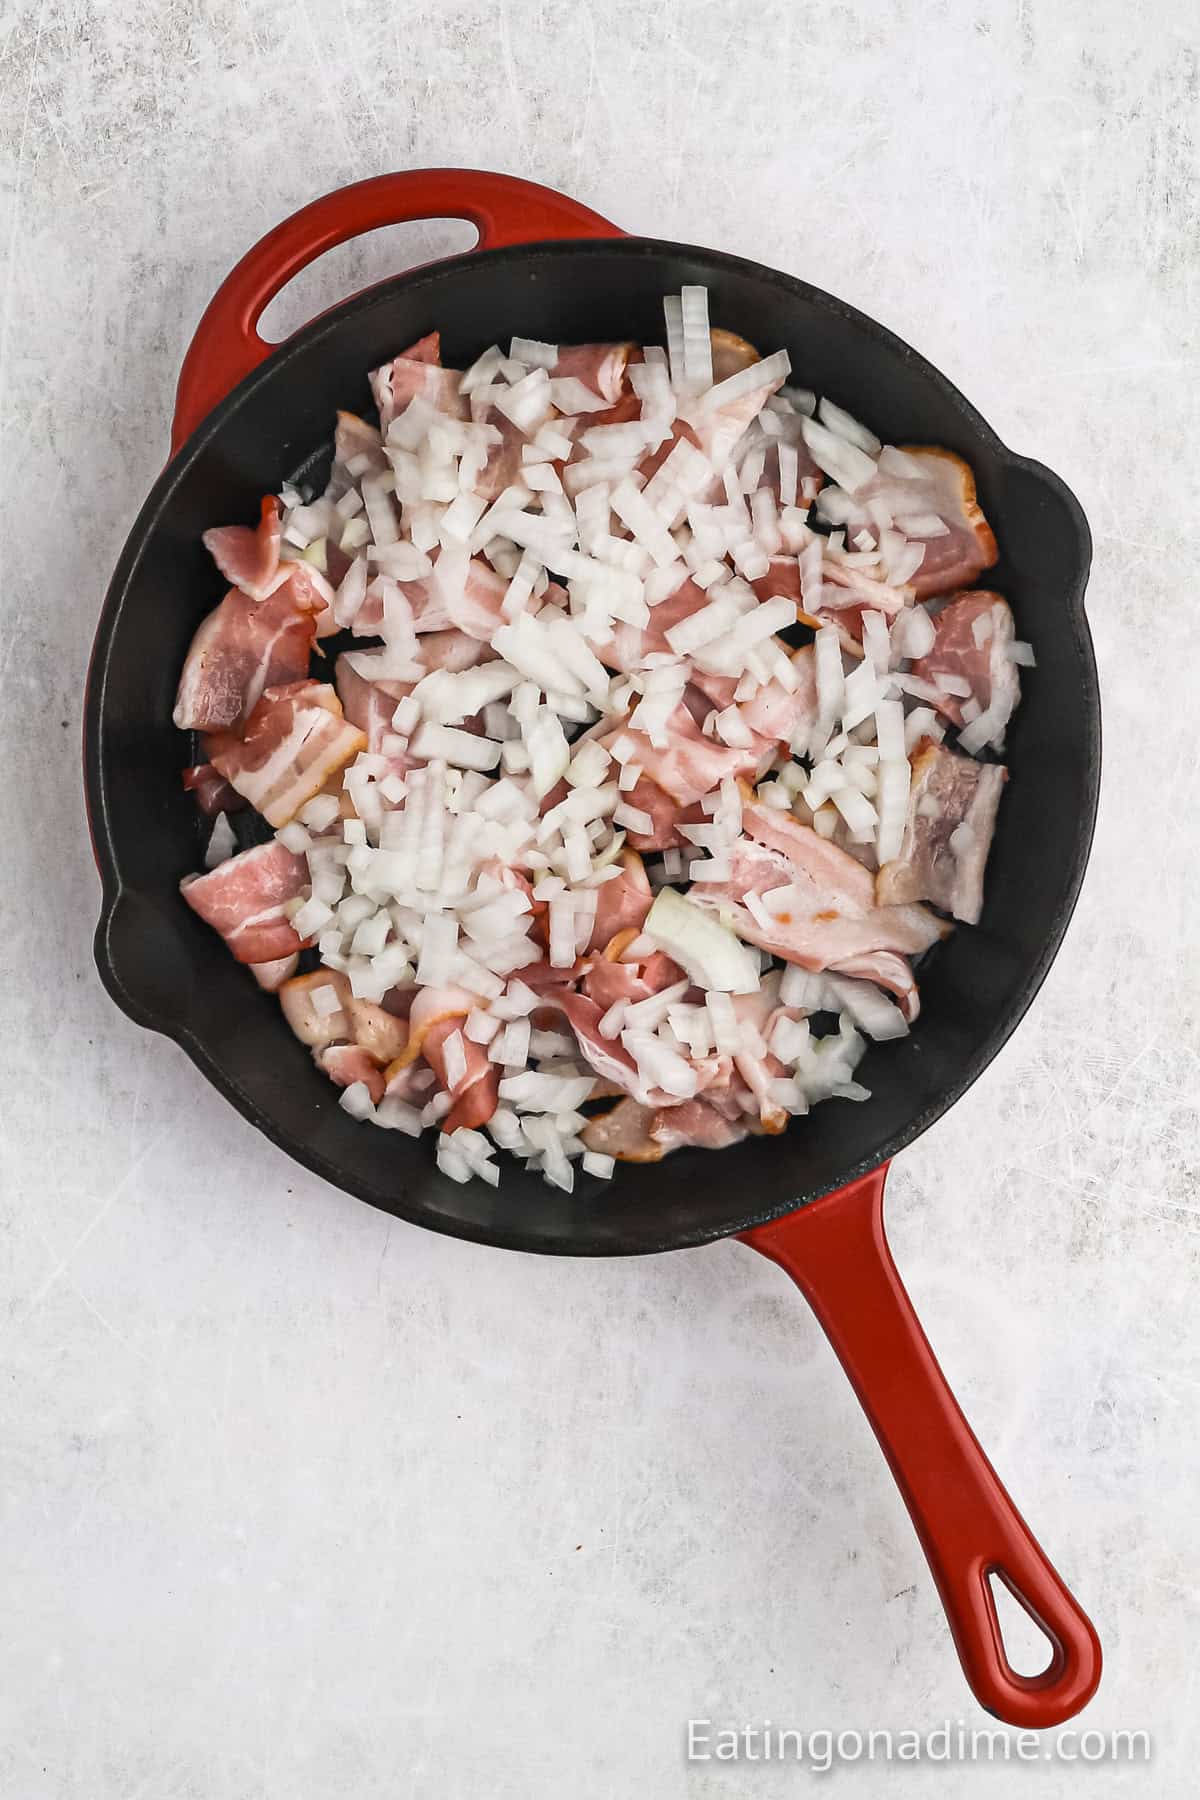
(849, 466)
(710, 953)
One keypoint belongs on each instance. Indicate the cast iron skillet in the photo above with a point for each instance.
(247, 417)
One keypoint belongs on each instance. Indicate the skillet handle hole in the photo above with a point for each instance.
(364, 260)
(1028, 1648)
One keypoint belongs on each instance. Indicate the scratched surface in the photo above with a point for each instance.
(304, 1505)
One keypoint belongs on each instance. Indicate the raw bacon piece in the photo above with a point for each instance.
(427, 349)
(696, 1124)
(211, 791)
(665, 814)
(609, 979)
(309, 591)
(295, 739)
(624, 1132)
(452, 650)
(716, 430)
(368, 705)
(314, 1028)
(643, 1134)
(887, 970)
(477, 1092)
(774, 714)
(436, 1014)
(822, 902)
(356, 442)
(945, 488)
(249, 558)
(982, 660)
(473, 607)
(347, 1063)
(689, 765)
(377, 1030)
(600, 367)
(422, 596)
(504, 462)
(847, 592)
(243, 647)
(607, 1056)
(417, 371)
(951, 817)
(243, 899)
(630, 645)
(614, 1064)
(621, 904)
(730, 354)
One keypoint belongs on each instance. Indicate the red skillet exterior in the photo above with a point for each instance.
(834, 1247)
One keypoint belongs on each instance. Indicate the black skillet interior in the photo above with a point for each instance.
(169, 972)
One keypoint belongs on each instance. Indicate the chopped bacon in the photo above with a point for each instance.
(369, 705)
(314, 1028)
(666, 816)
(249, 558)
(427, 349)
(505, 461)
(855, 590)
(243, 899)
(642, 1134)
(717, 429)
(353, 440)
(689, 765)
(295, 739)
(630, 645)
(946, 489)
(600, 367)
(757, 1066)
(774, 713)
(310, 591)
(417, 372)
(696, 1124)
(607, 1056)
(241, 648)
(822, 902)
(377, 1030)
(211, 791)
(951, 817)
(621, 904)
(452, 650)
(475, 607)
(985, 664)
(730, 354)
(477, 1094)
(624, 1132)
(613, 1063)
(422, 595)
(610, 979)
(436, 1014)
(887, 970)
(271, 976)
(347, 1063)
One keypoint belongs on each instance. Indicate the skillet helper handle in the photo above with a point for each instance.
(836, 1252)
(504, 210)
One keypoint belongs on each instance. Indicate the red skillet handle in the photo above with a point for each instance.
(505, 211)
(836, 1252)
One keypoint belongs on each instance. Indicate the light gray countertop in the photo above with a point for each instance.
(302, 1503)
